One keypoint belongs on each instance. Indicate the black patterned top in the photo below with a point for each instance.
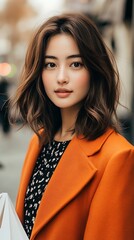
(44, 168)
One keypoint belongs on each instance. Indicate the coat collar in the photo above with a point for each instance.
(93, 146)
(71, 175)
(73, 172)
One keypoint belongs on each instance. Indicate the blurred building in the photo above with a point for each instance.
(15, 31)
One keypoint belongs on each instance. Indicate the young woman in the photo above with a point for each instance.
(77, 181)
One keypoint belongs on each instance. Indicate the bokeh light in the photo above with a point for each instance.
(7, 70)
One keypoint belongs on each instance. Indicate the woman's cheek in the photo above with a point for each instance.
(83, 80)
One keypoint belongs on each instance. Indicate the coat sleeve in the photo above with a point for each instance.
(111, 214)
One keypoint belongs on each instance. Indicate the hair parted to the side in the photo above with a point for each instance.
(98, 111)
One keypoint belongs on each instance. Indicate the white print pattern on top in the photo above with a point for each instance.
(44, 168)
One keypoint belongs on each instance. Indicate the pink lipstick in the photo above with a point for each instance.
(63, 92)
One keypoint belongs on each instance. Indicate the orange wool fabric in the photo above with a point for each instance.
(91, 193)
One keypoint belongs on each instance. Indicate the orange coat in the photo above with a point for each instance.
(91, 193)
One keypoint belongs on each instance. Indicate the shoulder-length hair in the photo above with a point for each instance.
(98, 111)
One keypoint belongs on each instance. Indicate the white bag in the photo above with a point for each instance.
(10, 225)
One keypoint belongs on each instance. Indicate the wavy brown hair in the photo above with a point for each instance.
(98, 111)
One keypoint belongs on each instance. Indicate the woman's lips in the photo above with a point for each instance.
(63, 93)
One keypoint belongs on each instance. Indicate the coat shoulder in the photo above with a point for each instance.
(116, 142)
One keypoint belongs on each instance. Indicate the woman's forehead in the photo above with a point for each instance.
(62, 44)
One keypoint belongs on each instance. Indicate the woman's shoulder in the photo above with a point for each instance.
(36, 139)
(116, 144)
(118, 140)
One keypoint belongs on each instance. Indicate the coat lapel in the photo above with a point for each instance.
(73, 172)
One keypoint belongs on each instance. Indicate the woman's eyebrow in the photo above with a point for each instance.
(51, 57)
(74, 56)
(68, 57)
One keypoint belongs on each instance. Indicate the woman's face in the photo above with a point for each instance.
(65, 78)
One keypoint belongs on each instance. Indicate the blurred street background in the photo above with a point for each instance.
(12, 153)
(18, 20)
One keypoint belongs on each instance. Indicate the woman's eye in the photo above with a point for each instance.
(76, 64)
(49, 65)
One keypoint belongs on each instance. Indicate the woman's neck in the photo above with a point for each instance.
(63, 136)
(68, 117)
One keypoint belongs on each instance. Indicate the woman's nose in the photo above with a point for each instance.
(62, 76)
